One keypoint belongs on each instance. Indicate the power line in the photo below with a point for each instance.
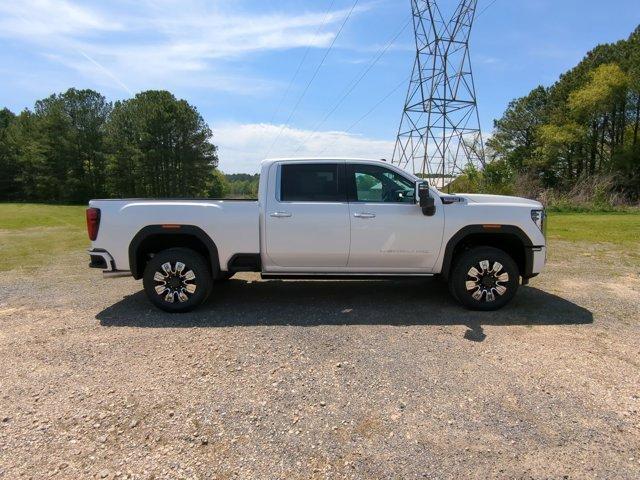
(355, 82)
(304, 58)
(380, 102)
(371, 110)
(313, 77)
(486, 8)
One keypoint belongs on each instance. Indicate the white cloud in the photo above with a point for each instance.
(107, 72)
(163, 44)
(243, 146)
(487, 60)
(42, 19)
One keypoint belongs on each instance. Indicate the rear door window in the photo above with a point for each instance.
(316, 182)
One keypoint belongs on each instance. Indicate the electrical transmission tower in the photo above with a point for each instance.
(439, 133)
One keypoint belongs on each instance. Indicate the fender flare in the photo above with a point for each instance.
(154, 230)
(511, 230)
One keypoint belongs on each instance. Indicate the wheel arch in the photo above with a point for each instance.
(155, 238)
(509, 238)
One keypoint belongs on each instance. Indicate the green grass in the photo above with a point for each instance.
(618, 228)
(596, 208)
(18, 216)
(32, 235)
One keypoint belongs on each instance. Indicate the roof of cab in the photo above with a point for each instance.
(323, 159)
(269, 161)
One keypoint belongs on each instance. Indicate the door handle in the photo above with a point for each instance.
(364, 215)
(280, 214)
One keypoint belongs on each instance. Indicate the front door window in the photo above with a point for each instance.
(374, 184)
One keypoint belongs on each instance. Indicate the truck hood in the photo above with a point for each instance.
(498, 199)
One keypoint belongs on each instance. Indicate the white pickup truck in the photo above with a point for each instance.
(322, 218)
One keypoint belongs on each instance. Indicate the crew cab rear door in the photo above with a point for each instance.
(307, 216)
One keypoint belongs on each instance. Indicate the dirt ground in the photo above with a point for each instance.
(298, 379)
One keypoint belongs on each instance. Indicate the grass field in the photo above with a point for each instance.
(32, 234)
(618, 228)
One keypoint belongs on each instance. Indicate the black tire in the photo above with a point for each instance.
(188, 285)
(492, 290)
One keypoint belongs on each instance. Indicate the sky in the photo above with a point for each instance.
(278, 78)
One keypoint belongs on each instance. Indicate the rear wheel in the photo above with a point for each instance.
(484, 278)
(177, 280)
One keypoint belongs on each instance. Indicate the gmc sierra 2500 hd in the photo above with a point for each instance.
(323, 218)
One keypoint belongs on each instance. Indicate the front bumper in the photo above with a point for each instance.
(539, 259)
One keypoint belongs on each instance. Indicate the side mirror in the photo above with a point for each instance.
(427, 202)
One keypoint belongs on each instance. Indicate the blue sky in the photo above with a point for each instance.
(235, 60)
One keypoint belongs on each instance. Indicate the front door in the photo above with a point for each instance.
(389, 232)
(307, 220)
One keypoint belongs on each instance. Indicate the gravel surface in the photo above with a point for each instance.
(298, 379)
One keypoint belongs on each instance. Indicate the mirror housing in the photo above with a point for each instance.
(427, 202)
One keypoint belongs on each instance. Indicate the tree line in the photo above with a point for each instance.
(580, 136)
(581, 133)
(76, 145)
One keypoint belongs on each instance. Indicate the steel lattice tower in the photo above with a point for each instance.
(439, 133)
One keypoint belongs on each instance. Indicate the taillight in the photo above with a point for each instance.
(93, 222)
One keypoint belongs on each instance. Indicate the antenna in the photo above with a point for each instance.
(439, 133)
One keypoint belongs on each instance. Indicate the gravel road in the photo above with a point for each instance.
(298, 379)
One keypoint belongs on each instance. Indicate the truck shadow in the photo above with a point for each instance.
(242, 303)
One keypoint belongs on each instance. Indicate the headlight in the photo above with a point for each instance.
(539, 217)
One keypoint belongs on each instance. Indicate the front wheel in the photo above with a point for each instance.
(177, 280)
(484, 278)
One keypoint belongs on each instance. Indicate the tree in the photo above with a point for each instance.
(8, 169)
(160, 147)
(75, 146)
(585, 125)
(607, 85)
(57, 151)
(219, 186)
(556, 151)
(243, 185)
(72, 126)
(600, 106)
(88, 113)
(27, 158)
(514, 139)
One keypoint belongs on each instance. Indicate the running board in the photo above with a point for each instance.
(116, 273)
(344, 276)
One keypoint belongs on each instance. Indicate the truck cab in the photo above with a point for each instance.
(354, 217)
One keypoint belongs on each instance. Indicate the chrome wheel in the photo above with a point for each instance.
(485, 281)
(174, 282)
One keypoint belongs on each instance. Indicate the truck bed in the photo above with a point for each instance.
(181, 199)
(234, 224)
